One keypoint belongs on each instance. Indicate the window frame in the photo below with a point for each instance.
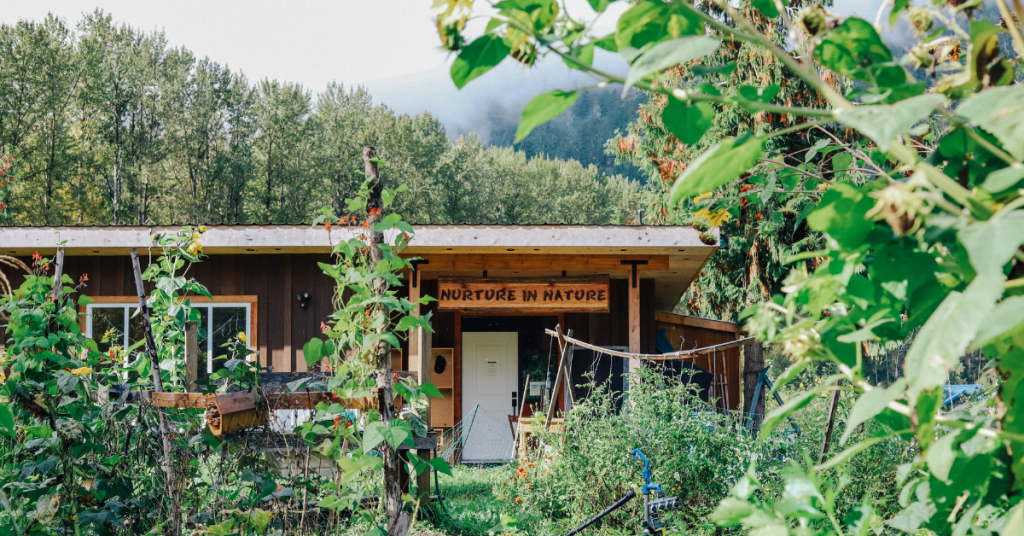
(127, 302)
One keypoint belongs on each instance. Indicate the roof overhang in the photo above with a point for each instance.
(679, 246)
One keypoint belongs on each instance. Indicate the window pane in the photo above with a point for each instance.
(228, 322)
(108, 327)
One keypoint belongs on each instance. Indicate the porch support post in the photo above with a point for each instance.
(191, 355)
(634, 312)
(414, 338)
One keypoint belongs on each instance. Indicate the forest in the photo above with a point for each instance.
(111, 125)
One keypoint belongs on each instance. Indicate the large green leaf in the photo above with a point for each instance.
(1004, 179)
(870, 404)
(542, 109)
(940, 456)
(992, 243)
(852, 46)
(767, 7)
(687, 121)
(1007, 316)
(841, 214)
(652, 21)
(669, 53)
(719, 165)
(7, 421)
(948, 331)
(312, 351)
(883, 123)
(479, 57)
(1000, 111)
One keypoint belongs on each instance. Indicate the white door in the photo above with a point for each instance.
(490, 372)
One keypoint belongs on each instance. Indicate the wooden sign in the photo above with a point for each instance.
(556, 294)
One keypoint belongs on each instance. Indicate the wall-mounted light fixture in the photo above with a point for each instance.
(303, 299)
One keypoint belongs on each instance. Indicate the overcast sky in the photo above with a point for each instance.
(390, 46)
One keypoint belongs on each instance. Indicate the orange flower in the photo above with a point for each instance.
(375, 212)
(323, 326)
(37, 257)
(327, 225)
(519, 500)
(84, 278)
(503, 495)
(529, 485)
(366, 223)
(531, 465)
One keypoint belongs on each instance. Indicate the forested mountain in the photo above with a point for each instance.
(110, 125)
(580, 132)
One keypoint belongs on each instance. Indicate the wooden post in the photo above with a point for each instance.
(58, 272)
(414, 297)
(634, 318)
(830, 424)
(191, 355)
(564, 346)
(393, 464)
(158, 387)
(421, 361)
(753, 364)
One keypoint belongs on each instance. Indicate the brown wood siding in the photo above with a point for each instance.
(726, 362)
(282, 325)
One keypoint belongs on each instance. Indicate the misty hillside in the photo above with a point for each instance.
(579, 133)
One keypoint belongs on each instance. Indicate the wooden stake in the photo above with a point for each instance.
(522, 404)
(158, 386)
(753, 364)
(830, 424)
(393, 467)
(564, 347)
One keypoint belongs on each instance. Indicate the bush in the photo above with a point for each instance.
(696, 454)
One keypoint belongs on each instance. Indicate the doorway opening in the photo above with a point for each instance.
(498, 354)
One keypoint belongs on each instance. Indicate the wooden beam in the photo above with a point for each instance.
(697, 322)
(539, 262)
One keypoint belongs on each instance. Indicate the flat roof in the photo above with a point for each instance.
(681, 246)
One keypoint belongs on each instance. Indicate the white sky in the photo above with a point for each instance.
(307, 41)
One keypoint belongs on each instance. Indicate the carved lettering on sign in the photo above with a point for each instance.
(557, 294)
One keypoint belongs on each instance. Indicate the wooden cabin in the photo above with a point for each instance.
(498, 289)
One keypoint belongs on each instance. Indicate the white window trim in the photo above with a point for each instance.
(209, 322)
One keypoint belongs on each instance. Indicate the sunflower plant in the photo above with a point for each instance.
(925, 234)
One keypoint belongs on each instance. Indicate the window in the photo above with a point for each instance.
(221, 319)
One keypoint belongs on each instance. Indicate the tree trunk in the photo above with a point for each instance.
(385, 386)
(753, 363)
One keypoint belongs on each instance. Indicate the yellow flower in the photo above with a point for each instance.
(714, 219)
(81, 371)
(196, 236)
(202, 228)
(195, 248)
(702, 197)
(242, 337)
